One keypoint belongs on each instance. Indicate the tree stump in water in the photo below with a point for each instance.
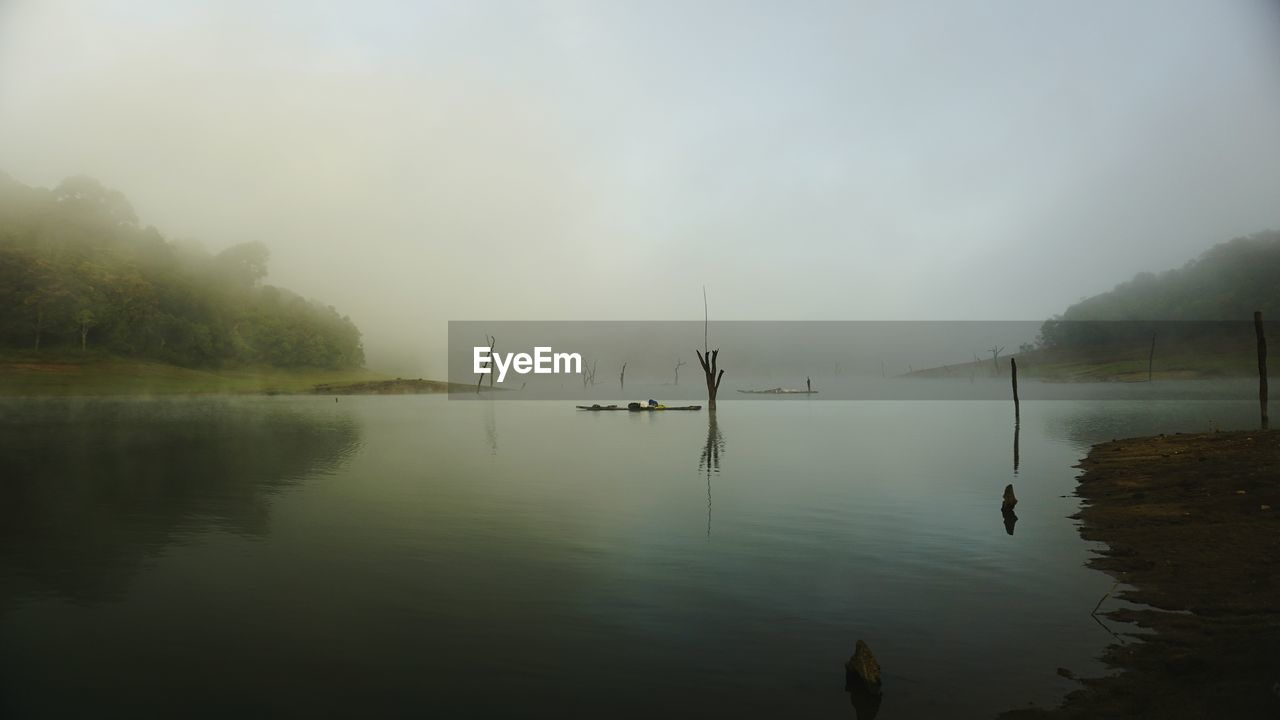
(862, 669)
(1009, 499)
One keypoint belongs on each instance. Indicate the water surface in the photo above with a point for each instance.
(416, 556)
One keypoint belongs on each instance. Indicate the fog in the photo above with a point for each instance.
(416, 163)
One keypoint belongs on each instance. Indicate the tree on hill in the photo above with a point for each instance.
(1227, 283)
(79, 272)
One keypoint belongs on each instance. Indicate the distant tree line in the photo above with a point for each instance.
(78, 273)
(1211, 298)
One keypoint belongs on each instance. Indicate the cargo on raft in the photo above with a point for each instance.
(637, 407)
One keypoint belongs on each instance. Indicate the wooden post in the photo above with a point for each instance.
(1017, 409)
(622, 378)
(1262, 367)
(1151, 356)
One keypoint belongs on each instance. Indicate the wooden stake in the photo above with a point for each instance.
(1262, 367)
(1151, 356)
(1017, 409)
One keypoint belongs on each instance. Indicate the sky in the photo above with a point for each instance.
(413, 163)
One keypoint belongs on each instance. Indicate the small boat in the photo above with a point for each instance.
(779, 391)
(637, 407)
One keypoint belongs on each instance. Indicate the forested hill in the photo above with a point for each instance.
(80, 275)
(1227, 283)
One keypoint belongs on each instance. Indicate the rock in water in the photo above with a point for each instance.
(1009, 499)
(863, 667)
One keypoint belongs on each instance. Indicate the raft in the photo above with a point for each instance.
(642, 408)
(779, 391)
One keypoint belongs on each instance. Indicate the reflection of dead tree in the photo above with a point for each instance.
(710, 461)
(589, 376)
(622, 378)
(488, 363)
(995, 358)
(679, 364)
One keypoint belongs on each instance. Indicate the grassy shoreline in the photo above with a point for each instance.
(1192, 525)
(111, 376)
(1130, 366)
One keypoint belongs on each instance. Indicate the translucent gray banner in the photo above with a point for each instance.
(604, 362)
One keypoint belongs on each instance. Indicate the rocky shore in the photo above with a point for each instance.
(1191, 525)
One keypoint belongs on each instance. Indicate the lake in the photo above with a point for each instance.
(426, 557)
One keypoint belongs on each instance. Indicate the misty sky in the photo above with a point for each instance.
(413, 163)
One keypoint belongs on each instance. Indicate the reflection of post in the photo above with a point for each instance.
(710, 461)
(1017, 409)
(1006, 509)
(491, 429)
(1262, 367)
(1017, 427)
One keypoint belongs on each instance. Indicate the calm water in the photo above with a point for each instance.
(415, 556)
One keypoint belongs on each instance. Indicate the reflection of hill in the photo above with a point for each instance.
(91, 489)
(1087, 423)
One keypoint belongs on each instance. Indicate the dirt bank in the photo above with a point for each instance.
(399, 386)
(1192, 524)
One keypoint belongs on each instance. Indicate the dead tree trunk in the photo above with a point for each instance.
(488, 364)
(995, 358)
(492, 341)
(713, 374)
(1262, 368)
(622, 378)
(1013, 372)
(707, 358)
(679, 364)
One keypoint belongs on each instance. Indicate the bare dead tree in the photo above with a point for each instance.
(488, 363)
(622, 378)
(995, 358)
(713, 375)
(679, 364)
(708, 358)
